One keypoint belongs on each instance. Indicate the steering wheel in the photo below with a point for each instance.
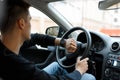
(80, 46)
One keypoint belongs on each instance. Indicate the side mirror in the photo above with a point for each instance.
(52, 31)
(109, 4)
(55, 31)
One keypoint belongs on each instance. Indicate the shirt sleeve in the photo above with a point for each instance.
(39, 39)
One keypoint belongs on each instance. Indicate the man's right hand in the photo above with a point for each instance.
(82, 65)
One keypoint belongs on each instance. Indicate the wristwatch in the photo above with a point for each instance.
(62, 42)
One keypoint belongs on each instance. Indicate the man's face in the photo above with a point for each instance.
(27, 29)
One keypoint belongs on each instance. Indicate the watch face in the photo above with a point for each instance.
(62, 42)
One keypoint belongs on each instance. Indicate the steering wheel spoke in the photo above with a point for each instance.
(61, 48)
(63, 59)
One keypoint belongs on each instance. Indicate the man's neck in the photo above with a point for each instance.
(12, 42)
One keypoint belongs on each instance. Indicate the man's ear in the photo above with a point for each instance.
(21, 23)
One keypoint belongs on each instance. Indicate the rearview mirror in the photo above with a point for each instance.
(109, 4)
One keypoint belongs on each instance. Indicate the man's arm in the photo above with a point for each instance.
(39, 39)
(45, 40)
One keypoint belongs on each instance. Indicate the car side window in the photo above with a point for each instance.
(40, 22)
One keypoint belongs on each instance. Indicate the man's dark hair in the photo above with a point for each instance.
(13, 9)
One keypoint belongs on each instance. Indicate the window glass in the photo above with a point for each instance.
(85, 13)
(39, 22)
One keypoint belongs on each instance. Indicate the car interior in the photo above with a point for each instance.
(103, 50)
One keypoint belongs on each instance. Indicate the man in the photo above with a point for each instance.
(15, 29)
(45, 40)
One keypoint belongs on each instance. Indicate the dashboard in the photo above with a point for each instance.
(106, 51)
(98, 44)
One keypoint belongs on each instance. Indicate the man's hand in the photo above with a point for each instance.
(71, 45)
(82, 65)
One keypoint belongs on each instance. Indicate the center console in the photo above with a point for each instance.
(112, 67)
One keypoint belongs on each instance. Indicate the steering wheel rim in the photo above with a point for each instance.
(87, 49)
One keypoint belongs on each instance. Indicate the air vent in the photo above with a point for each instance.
(115, 46)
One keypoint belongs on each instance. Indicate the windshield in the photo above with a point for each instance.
(85, 13)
